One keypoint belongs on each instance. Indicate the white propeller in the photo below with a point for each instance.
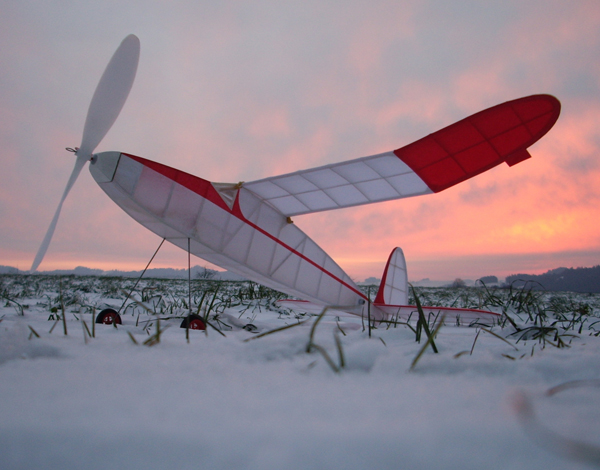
(107, 102)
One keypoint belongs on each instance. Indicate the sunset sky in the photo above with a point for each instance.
(235, 91)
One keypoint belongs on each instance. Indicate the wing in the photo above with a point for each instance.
(434, 163)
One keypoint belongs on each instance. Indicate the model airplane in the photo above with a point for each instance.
(247, 228)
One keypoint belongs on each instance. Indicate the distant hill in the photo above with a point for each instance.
(561, 279)
(9, 270)
(370, 281)
(198, 272)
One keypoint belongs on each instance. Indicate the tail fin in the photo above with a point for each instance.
(393, 289)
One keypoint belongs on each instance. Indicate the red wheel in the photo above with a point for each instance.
(108, 316)
(197, 325)
(195, 322)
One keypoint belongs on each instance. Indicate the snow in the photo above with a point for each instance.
(69, 401)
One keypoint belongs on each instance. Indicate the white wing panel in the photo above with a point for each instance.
(408, 184)
(297, 184)
(388, 164)
(153, 191)
(377, 190)
(325, 178)
(357, 172)
(238, 246)
(347, 195)
(316, 201)
(182, 211)
(128, 174)
(268, 190)
(289, 205)
(283, 253)
(376, 178)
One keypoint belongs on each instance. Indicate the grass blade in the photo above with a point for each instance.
(325, 356)
(33, 332)
(260, 335)
(427, 343)
(422, 323)
(132, 338)
(340, 350)
(314, 328)
(499, 337)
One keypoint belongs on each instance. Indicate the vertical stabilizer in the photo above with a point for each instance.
(393, 289)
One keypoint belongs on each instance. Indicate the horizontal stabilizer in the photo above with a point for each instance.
(451, 315)
(383, 312)
(313, 308)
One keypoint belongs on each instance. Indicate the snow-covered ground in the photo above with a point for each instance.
(241, 401)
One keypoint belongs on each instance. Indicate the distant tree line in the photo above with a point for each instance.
(560, 279)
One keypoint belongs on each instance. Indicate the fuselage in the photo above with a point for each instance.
(226, 225)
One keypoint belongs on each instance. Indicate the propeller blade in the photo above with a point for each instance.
(108, 100)
(79, 163)
(110, 94)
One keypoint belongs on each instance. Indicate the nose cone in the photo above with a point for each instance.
(104, 165)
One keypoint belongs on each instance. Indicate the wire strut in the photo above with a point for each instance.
(189, 318)
(140, 278)
(189, 279)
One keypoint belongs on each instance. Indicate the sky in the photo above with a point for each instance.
(235, 91)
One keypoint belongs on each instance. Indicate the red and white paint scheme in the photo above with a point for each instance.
(391, 302)
(392, 297)
(246, 227)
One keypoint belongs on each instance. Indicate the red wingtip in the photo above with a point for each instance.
(481, 141)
